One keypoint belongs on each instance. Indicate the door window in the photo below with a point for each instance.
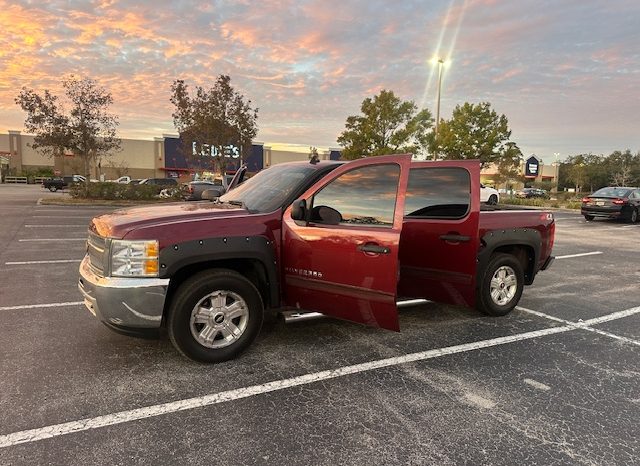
(438, 193)
(363, 196)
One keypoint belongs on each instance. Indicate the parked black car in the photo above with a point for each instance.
(612, 202)
(528, 193)
(62, 182)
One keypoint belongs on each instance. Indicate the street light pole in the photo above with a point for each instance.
(557, 164)
(440, 64)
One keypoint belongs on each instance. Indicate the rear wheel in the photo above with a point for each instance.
(53, 189)
(588, 218)
(493, 200)
(501, 285)
(215, 315)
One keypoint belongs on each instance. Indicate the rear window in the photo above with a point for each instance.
(438, 193)
(611, 192)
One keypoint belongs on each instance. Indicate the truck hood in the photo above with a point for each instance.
(119, 223)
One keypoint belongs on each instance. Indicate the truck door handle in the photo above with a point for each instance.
(374, 248)
(455, 238)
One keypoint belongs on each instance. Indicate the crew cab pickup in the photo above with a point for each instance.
(54, 184)
(343, 239)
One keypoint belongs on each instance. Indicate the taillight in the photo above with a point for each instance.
(585, 200)
(619, 201)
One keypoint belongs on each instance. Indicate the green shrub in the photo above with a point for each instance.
(538, 202)
(574, 204)
(114, 191)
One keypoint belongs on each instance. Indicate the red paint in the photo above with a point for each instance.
(321, 266)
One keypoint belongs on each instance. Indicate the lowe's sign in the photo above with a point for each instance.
(207, 150)
(532, 167)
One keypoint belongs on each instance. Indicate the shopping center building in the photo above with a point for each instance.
(165, 157)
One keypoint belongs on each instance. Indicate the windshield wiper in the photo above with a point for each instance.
(240, 203)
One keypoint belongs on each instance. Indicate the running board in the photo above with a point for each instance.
(297, 316)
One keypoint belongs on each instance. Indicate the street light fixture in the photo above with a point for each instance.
(440, 62)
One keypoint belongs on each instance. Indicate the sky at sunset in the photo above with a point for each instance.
(566, 73)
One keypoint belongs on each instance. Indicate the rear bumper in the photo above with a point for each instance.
(605, 212)
(548, 263)
(127, 305)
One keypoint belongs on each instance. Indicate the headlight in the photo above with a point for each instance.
(134, 258)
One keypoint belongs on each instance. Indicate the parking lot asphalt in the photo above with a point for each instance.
(555, 382)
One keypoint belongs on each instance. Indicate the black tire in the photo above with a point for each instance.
(507, 295)
(53, 189)
(588, 218)
(633, 217)
(229, 287)
(493, 200)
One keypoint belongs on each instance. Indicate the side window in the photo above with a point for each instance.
(438, 193)
(363, 196)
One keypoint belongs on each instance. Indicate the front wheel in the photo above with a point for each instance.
(634, 216)
(493, 200)
(215, 315)
(501, 285)
(53, 189)
(588, 218)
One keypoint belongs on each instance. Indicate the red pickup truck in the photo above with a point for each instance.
(343, 239)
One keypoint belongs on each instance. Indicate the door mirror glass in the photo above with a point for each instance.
(299, 210)
(326, 215)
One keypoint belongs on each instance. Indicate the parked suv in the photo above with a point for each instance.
(164, 182)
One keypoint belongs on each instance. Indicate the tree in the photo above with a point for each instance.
(473, 132)
(509, 165)
(623, 168)
(387, 125)
(213, 123)
(313, 155)
(82, 125)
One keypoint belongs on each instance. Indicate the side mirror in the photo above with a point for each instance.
(299, 210)
(212, 194)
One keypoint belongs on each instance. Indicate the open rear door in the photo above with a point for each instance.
(340, 257)
(440, 239)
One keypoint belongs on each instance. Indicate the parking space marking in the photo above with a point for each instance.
(61, 261)
(56, 430)
(586, 324)
(79, 225)
(34, 240)
(569, 256)
(62, 216)
(37, 306)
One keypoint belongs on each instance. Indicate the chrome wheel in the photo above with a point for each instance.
(504, 285)
(219, 319)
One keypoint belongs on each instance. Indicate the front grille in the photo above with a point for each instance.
(96, 246)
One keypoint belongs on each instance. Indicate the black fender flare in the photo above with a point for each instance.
(513, 237)
(177, 256)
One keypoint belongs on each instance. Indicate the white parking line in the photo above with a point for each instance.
(62, 216)
(34, 435)
(79, 225)
(38, 306)
(594, 253)
(586, 324)
(50, 239)
(61, 261)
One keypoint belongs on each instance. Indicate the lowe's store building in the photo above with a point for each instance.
(162, 157)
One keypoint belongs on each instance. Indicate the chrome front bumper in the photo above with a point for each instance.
(123, 303)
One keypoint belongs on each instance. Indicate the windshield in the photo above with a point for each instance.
(270, 188)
